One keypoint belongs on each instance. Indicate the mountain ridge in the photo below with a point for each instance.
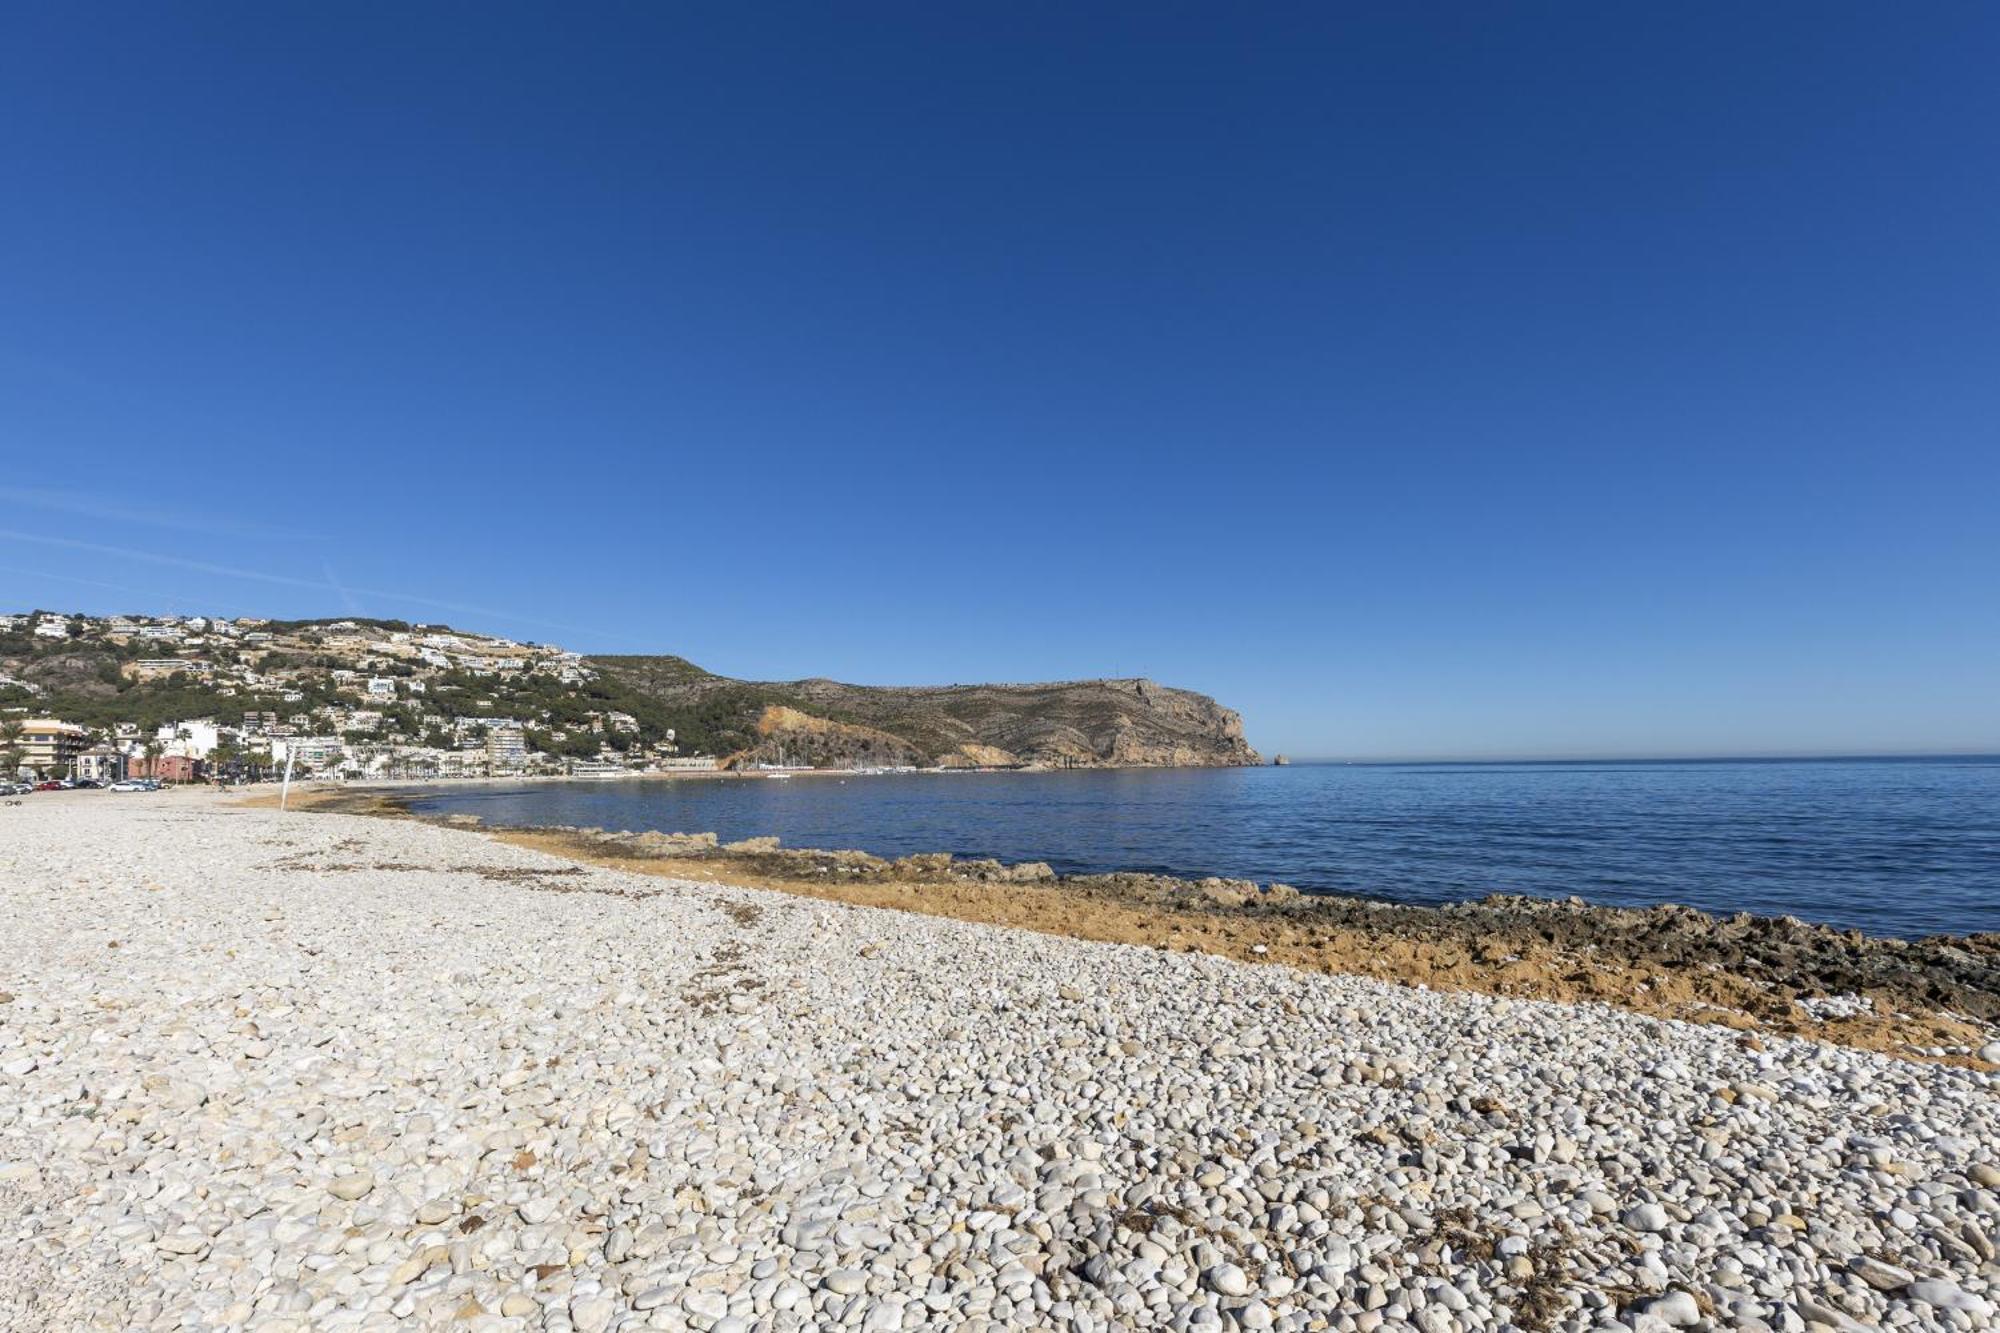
(401, 696)
(1098, 722)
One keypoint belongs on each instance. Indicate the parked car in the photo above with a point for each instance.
(130, 784)
(51, 785)
(86, 784)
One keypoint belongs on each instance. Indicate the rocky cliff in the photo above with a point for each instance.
(1071, 724)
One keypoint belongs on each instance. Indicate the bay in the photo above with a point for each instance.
(1896, 847)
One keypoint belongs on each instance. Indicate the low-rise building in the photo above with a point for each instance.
(165, 767)
(195, 738)
(101, 763)
(154, 667)
(313, 751)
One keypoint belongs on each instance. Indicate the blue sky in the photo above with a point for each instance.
(1423, 380)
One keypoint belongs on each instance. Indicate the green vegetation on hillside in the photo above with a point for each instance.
(1087, 722)
(87, 677)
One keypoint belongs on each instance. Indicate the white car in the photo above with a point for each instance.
(129, 784)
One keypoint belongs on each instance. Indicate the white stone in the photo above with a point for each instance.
(478, 1092)
(352, 1186)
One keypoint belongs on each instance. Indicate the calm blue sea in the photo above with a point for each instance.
(1896, 847)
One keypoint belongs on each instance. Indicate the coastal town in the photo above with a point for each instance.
(98, 700)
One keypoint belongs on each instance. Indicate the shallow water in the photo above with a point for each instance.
(1897, 847)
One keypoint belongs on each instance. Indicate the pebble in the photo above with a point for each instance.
(592, 1314)
(349, 1074)
(1676, 1308)
(1647, 1217)
(1879, 1275)
(352, 1186)
(1947, 1296)
(707, 1304)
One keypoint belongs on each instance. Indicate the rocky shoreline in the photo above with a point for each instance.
(1932, 998)
(316, 1071)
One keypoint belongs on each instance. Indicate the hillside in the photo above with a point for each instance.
(406, 699)
(1089, 723)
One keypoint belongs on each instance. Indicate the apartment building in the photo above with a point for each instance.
(506, 747)
(49, 747)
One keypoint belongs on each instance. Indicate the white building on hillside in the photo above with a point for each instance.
(312, 751)
(195, 738)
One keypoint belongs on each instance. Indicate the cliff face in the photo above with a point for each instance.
(1087, 724)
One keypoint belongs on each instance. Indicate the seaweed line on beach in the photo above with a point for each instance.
(1933, 998)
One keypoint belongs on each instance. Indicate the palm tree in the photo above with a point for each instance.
(226, 758)
(11, 752)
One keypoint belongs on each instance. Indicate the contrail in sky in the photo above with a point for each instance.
(168, 599)
(333, 582)
(289, 581)
(90, 506)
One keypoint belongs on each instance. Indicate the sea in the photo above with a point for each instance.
(1900, 847)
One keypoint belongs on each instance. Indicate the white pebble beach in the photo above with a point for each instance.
(301, 1071)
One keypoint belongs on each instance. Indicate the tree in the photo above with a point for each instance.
(11, 751)
(227, 756)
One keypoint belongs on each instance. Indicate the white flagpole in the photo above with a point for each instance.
(285, 787)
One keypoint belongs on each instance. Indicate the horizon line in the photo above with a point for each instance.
(1809, 756)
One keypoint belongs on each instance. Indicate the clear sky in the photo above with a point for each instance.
(1422, 380)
